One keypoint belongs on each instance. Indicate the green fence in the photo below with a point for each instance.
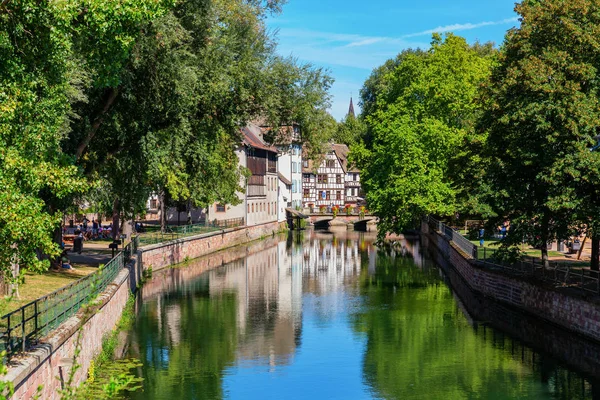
(179, 232)
(22, 328)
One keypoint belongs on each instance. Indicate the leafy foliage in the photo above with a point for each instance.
(542, 114)
(420, 112)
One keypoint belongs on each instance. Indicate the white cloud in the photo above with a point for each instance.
(461, 27)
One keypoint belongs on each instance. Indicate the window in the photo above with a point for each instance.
(306, 193)
(153, 204)
(338, 179)
(220, 208)
(294, 168)
(252, 207)
(269, 205)
(322, 178)
(330, 164)
(355, 177)
(248, 208)
(338, 195)
(328, 196)
(354, 190)
(305, 163)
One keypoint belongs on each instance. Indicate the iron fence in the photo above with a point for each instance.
(555, 273)
(179, 232)
(22, 328)
(459, 240)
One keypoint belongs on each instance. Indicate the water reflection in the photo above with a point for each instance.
(321, 315)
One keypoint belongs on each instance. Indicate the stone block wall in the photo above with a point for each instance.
(166, 254)
(557, 305)
(52, 359)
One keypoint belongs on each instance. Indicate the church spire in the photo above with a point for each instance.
(351, 109)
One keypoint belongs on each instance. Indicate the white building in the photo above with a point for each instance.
(259, 203)
(289, 166)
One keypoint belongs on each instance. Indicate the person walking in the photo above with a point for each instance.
(94, 228)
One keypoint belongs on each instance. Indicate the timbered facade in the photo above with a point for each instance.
(332, 183)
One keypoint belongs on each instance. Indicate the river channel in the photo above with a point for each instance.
(322, 315)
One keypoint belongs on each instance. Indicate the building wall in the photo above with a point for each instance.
(284, 165)
(352, 186)
(332, 169)
(296, 179)
(263, 209)
(309, 189)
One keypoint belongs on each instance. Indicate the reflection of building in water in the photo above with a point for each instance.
(269, 303)
(330, 263)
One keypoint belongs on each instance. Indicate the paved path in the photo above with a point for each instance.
(89, 257)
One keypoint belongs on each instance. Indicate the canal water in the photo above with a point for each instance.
(322, 315)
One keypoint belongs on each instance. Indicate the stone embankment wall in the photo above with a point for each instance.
(49, 364)
(164, 255)
(577, 313)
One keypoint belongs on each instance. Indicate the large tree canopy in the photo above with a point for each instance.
(420, 112)
(542, 114)
(43, 45)
(105, 101)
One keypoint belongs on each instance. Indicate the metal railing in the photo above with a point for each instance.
(179, 232)
(555, 273)
(23, 327)
(459, 240)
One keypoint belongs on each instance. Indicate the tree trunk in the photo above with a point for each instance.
(544, 237)
(116, 219)
(163, 216)
(595, 262)
(581, 247)
(189, 212)
(109, 100)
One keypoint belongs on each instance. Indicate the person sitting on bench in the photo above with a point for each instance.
(65, 263)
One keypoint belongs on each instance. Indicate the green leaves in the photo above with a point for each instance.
(420, 114)
(542, 117)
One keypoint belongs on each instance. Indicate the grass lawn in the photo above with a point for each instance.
(36, 286)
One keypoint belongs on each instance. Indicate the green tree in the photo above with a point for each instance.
(542, 115)
(422, 110)
(350, 131)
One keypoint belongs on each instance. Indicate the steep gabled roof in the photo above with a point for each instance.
(342, 151)
(252, 138)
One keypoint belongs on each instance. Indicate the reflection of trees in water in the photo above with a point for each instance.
(192, 367)
(419, 345)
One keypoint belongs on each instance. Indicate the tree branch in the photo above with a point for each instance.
(108, 102)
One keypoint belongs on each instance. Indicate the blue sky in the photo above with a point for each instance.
(352, 37)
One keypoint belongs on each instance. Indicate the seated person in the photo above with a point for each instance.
(64, 260)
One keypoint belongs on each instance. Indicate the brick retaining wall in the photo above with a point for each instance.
(574, 312)
(43, 365)
(177, 251)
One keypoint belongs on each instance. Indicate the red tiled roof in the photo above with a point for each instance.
(251, 139)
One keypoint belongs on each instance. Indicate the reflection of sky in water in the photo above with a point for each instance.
(327, 366)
